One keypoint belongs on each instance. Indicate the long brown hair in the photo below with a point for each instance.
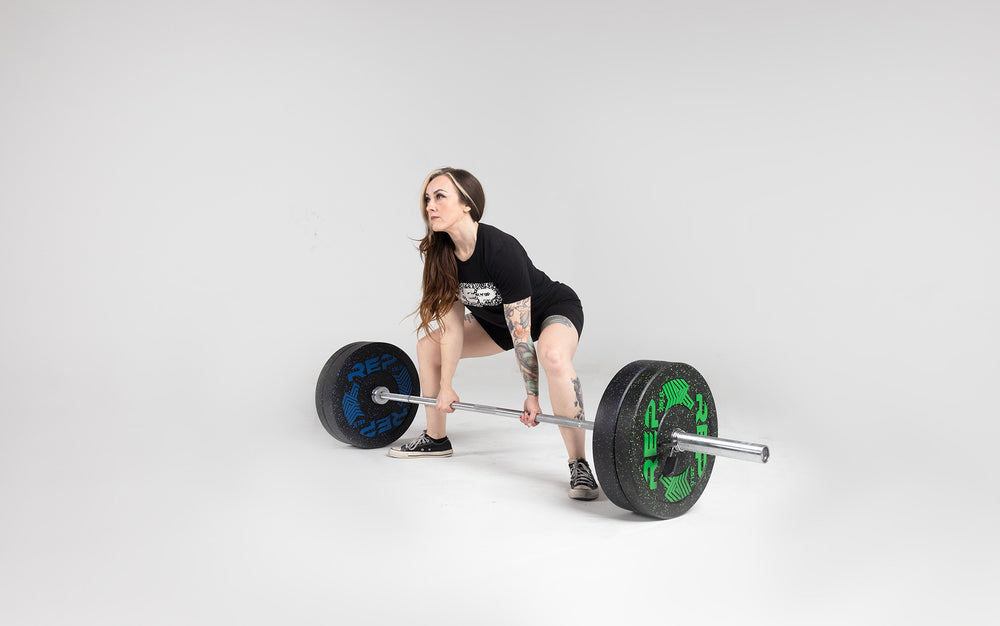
(438, 250)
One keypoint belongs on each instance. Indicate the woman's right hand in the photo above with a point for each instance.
(445, 397)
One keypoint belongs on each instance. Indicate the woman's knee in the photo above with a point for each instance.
(429, 348)
(555, 360)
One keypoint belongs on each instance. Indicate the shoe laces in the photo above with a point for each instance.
(579, 473)
(423, 439)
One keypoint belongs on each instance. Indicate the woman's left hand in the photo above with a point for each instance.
(531, 409)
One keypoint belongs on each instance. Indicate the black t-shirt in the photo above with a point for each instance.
(499, 272)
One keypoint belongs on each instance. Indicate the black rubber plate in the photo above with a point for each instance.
(344, 390)
(646, 402)
(603, 442)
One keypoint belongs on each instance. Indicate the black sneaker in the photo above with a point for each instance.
(582, 485)
(423, 445)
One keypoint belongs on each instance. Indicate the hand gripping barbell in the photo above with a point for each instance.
(655, 433)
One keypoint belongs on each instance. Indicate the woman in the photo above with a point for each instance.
(511, 304)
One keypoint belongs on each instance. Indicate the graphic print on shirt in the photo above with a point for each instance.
(479, 294)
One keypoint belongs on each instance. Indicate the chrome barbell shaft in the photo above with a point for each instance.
(682, 441)
(381, 393)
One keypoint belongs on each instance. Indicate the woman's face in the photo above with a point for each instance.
(444, 204)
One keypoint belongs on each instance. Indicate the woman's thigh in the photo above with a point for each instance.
(558, 336)
(475, 341)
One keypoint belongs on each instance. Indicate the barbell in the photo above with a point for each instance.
(655, 432)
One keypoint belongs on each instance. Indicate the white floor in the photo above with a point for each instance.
(222, 508)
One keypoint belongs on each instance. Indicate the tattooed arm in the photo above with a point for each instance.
(518, 317)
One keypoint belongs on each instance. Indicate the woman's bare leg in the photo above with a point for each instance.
(475, 343)
(556, 348)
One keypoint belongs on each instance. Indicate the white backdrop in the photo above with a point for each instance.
(201, 201)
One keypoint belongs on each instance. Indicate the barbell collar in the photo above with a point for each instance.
(680, 440)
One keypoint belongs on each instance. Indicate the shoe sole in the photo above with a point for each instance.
(583, 493)
(404, 454)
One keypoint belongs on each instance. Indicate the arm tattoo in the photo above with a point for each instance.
(518, 317)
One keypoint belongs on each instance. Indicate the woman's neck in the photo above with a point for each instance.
(464, 238)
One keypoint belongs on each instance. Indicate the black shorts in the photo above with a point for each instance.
(570, 308)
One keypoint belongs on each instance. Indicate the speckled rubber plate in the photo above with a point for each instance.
(645, 402)
(605, 424)
(344, 394)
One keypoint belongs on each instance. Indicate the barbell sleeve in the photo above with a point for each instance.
(682, 441)
(741, 450)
